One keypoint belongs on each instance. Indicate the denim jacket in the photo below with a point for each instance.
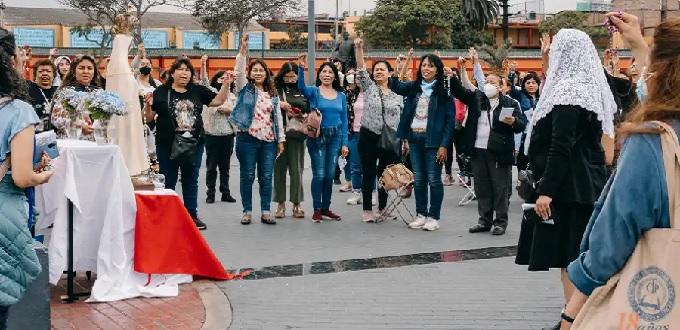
(634, 201)
(242, 116)
(441, 120)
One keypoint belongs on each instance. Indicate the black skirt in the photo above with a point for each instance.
(543, 246)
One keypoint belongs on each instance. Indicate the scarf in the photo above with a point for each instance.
(575, 77)
(427, 88)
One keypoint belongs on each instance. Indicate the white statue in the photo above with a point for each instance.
(127, 131)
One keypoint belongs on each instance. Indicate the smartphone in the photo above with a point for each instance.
(295, 110)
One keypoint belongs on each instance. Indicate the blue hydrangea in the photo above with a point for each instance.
(104, 104)
(71, 99)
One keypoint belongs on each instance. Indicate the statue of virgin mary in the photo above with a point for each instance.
(127, 131)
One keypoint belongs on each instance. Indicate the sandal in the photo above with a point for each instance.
(267, 219)
(280, 211)
(247, 218)
(298, 212)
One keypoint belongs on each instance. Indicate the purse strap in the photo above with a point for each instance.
(382, 104)
(671, 154)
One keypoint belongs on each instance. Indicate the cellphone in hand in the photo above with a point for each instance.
(295, 110)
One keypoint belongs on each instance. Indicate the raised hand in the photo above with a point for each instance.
(358, 42)
(411, 52)
(474, 56)
(436, 53)
(545, 44)
(302, 60)
(204, 59)
(53, 52)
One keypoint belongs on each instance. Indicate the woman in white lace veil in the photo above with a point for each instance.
(565, 155)
(575, 77)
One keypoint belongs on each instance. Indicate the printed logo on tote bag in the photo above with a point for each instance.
(651, 294)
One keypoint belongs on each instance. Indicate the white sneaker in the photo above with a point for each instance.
(346, 187)
(374, 200)
(431, 225)
(354, 199)
(419, 222)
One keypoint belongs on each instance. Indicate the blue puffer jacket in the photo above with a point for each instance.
(19, 264)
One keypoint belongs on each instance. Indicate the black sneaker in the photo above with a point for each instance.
(228, 199)
(199, 224)
(337, 182)
(479, 228)
(211, 198)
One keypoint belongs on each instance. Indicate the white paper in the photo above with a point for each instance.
(342, 162)
(506, 112)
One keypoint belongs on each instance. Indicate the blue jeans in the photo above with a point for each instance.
(354, 165)
(253, 153)
(427, 172)
(170, 170)
(323, 152)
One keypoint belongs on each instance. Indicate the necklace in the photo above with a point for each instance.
(48, 102)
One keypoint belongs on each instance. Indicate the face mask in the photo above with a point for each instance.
(350, 78)
(145, 71)
(291, 85)
(490, 90)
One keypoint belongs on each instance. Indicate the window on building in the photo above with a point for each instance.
(523, 37)
(324, 28)
(278, 27)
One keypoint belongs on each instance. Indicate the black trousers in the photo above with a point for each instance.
(371, 154)
(492, 182)
(218, 151)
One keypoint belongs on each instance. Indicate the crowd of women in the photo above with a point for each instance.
(593, 198)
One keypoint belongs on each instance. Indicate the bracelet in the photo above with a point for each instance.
(567, 318)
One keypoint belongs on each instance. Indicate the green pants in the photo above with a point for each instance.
(293, 161)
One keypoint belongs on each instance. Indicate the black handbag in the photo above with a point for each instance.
(527, 185)
(184, 148)
(388, 136)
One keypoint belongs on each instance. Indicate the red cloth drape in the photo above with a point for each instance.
(168, 242)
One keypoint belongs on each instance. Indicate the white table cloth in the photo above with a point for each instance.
(96, 180)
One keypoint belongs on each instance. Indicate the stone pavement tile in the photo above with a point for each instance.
(483, 294)
(294, 241)
(184, 312)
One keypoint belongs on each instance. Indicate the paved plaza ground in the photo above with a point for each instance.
(334, 275)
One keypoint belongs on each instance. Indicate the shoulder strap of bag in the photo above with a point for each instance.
(382, 104)
(5, 167)
(671, 153)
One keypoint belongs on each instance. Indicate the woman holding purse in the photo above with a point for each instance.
(294, 106)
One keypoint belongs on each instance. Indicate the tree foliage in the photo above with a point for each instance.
(497, 55)
(480, 13)
(101, 15)
(295, 39)
(408, 23)
(573, 20)
(219, 16)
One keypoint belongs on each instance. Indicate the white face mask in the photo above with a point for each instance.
(491, 91)
(350, 78)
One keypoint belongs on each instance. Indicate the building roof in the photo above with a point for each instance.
(18, 16)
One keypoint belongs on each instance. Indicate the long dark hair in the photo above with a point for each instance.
(440, 87)
(13, 84)
(213, 81)
(268, 84)
(285, 69)
(336, 82)
(176, 65)
(70, 78)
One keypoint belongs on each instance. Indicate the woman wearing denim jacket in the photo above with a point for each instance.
(635, 199)
(426, 127)
(257, 117)
(327, 97)
(19, 264)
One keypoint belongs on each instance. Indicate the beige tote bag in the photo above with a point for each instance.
(642, 295)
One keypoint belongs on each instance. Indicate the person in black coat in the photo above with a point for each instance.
(566, 155)
(489, 137)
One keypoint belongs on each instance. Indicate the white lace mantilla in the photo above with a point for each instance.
(575, 77)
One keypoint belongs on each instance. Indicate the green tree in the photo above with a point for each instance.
(295, 39)
(480, 13)
(497, 55)
(571, 19)
(463, 34)
(408, 23)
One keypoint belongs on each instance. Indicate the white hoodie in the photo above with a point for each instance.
(57, 79)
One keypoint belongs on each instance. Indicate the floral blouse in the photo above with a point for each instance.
(262, 127)
(372, 118)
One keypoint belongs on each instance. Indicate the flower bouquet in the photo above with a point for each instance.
(102, 105)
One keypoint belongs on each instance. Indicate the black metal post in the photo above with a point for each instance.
(71, 296)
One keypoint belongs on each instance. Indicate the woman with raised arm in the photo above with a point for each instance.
(261, 134)
(381, 107)
(178, 104)
(426, 128)
(328, 98)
